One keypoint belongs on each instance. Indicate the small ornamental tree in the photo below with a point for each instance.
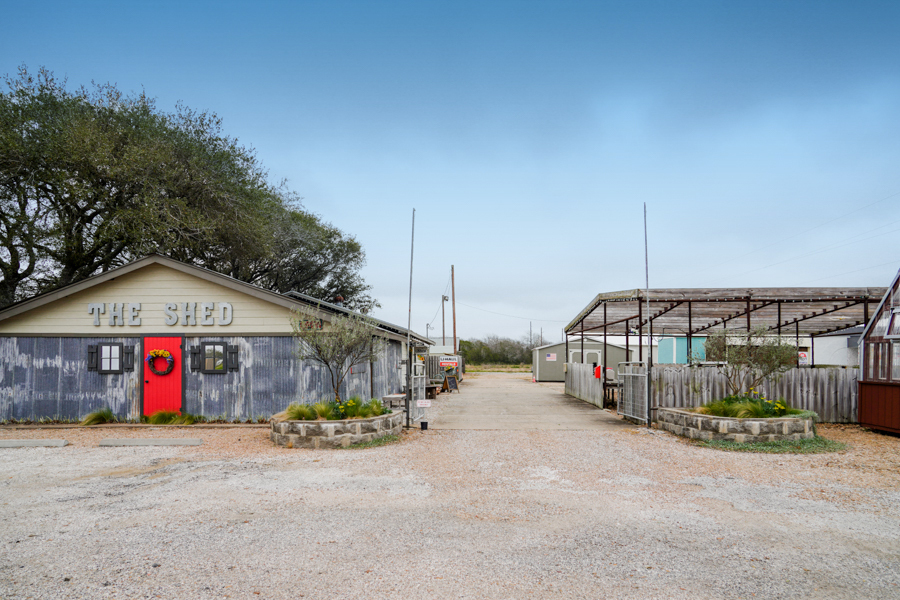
(747, 358)
(349, 341)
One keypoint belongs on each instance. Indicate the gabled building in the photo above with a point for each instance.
(879, 364)
(226, 348)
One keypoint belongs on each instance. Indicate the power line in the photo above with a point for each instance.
(841, 217)
(510, 316)
(826, 248)
(890, 262)
(434, 318)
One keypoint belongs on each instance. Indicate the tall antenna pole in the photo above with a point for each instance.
(453, 293)
(409, 351)
(443, 321)
(649, 318)
(412, 247)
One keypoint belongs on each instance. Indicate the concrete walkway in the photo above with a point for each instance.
(512, 401)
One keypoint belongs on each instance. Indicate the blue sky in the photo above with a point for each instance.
(763, 136)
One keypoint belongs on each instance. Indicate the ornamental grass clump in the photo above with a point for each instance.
(99, 417)
(184, 419)
(163, 417)
(323, 410)
(376, 407)
(300, 412)
(352, 408)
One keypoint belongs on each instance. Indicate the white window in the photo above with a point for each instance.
(110, 358)
(895, 361)
(213, 357)
(894, 329)
(881, 325)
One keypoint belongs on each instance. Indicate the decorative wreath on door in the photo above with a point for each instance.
(154, 354)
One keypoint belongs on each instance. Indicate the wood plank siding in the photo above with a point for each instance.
(831, 393)
(581, 384)
(49, 377)
(879, 406)
(152, 286)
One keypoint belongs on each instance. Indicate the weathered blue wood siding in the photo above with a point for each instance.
(387, 372)
(48, 377)
(270, 377)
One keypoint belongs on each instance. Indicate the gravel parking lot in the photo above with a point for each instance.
(447, 514)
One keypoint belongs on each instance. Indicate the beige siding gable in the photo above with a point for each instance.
(152, 287)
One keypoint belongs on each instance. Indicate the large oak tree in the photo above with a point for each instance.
(93, 178)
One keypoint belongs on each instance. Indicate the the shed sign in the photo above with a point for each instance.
(188, 313)
(449, 361)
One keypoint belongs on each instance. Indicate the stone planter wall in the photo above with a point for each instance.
(705, 427)
(334, 434)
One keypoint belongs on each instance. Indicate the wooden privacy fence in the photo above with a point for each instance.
(831, 393)
(581, 383)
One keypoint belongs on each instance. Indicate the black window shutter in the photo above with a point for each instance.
(128, 358)
(195, 358)
(92, 357)
(232, 358)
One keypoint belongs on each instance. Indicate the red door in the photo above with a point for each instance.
(162, 392)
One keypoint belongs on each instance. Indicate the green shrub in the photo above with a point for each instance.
(748, 406)
(98, 417)
(351, 407)
(376, 407)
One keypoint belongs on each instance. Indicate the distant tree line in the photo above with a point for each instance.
(496, 351)
(92, 179)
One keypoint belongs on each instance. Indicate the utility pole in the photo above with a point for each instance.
(443, 321)
(530, 337)
(409, 350)
(453, 293)
(649, 317)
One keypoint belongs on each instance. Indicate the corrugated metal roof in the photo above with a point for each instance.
(812, 311)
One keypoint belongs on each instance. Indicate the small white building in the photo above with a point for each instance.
(547, 361)
(840, 348)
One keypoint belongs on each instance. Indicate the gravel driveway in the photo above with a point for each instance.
(513, 401)
(447, 514)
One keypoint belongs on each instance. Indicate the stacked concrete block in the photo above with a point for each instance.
(706, 427)
(334, 434)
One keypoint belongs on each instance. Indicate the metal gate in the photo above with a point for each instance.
(633, 395)
(416, 412)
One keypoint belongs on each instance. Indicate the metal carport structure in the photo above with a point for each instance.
(695, 311)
